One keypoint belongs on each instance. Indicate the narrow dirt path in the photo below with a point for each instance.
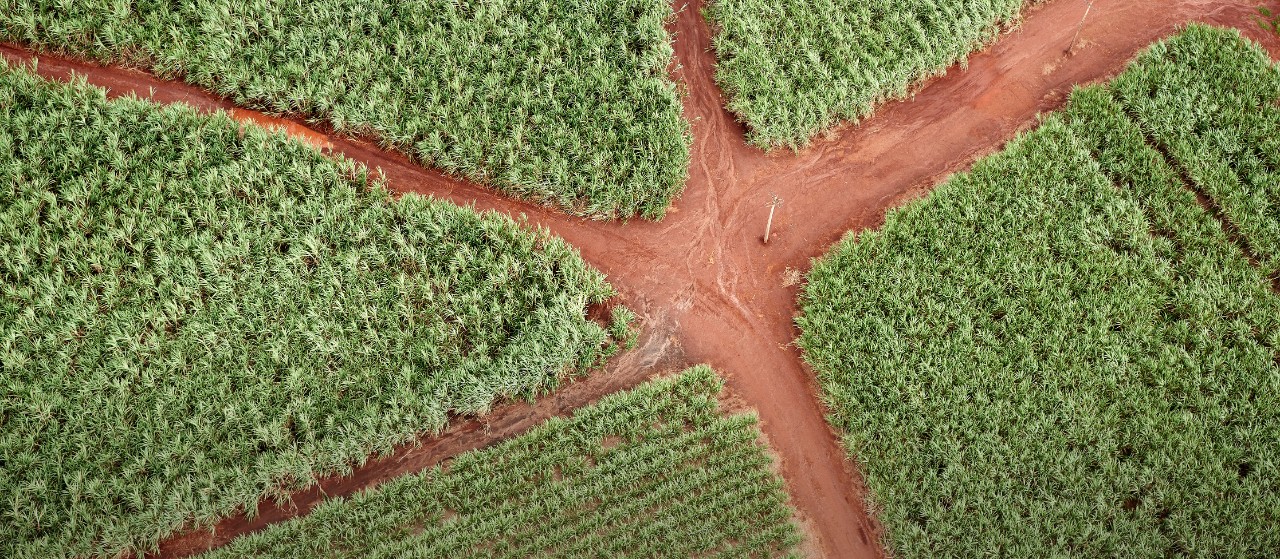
(703, 279)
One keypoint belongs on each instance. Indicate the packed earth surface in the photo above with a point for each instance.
(706, 286)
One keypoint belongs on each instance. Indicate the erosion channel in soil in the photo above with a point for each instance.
(708, 288)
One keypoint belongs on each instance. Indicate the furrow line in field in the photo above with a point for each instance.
(1229, 228)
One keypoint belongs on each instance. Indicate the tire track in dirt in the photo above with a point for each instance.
(703, 276)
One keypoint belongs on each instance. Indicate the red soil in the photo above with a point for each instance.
(703, 279)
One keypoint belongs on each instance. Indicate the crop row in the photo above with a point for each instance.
(654, 472)
(1220, 121)
(1061, 352)
(564, 102)
(793, 69)
(195, 315)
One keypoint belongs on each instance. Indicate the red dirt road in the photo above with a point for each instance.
(703, 278)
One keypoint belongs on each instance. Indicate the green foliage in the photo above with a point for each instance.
(194, 315)
(654, 472)
(793, 69)
(1268, 20)
(565, 102)
(1060, 353)
(1210, 100)
(621, 329)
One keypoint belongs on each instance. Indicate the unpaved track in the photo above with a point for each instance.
(703, 273)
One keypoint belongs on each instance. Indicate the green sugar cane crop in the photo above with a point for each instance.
(1219, 121)
(195, 315)
(793, 69)
(1061, 352)
(567, 103)
(653, 472)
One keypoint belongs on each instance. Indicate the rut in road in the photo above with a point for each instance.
(709, 290)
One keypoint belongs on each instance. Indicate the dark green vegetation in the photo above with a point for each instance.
(793, 69)
(194, 315)
(566, 102)
(654, 472)
(1061, 352)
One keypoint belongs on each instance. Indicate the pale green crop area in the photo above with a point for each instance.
(195, 315)
(793, 69)
(654, 472)
(567, 102)
(1061, 353)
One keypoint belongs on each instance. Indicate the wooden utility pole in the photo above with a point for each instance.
(1071, 49)
(768, 227)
